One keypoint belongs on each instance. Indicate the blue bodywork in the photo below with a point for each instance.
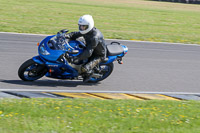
(59, 67)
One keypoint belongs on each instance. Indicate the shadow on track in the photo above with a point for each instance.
(50, 83)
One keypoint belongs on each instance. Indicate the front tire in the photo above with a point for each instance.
(106, 70)
(30, 70)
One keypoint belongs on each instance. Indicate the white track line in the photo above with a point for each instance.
(93, 91)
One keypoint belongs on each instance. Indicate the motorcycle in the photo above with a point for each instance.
(54, 60)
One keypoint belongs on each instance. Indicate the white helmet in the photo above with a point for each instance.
(85, 20)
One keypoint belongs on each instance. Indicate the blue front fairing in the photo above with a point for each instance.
(53, 55)
(49, 57)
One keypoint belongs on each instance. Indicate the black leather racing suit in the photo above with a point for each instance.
(95, 44)
(95, 49)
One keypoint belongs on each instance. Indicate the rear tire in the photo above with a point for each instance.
(30, 70)
(106, 71)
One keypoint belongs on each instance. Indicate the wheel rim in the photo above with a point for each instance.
(31, 72)
(105, 71)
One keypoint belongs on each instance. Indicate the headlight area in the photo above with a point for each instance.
(43, 50)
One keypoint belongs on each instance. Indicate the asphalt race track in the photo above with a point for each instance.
(148, 67)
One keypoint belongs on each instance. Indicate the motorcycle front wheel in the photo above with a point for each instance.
(30, 71)
(105, 70)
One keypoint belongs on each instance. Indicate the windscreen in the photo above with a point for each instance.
(57, 43)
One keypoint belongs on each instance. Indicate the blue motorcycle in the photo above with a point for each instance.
(54, 60)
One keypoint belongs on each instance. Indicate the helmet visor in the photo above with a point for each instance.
(83, 27)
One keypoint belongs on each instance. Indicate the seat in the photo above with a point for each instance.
(114, 49)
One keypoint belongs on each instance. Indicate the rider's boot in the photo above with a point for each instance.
(88, 69)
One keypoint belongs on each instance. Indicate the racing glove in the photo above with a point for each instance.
(67, 36)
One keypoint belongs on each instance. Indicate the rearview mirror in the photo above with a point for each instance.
(64, 31)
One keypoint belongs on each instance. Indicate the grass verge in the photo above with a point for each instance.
(120, 19)
(90, 115)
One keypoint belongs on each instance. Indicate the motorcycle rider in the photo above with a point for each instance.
(95, 50)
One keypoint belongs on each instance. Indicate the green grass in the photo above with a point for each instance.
(98, 116)
(120, 19)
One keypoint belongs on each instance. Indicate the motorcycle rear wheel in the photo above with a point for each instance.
(30, 71)
(106, 70)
